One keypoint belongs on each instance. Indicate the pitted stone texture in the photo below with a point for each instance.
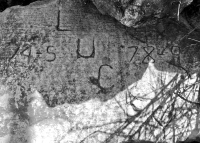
(71, 53)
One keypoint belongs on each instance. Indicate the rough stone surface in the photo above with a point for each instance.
(136, 13)
(70, 53)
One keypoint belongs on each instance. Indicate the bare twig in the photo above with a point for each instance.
(178, 13)
(194, 40)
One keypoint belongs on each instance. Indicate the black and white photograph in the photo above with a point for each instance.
(99, 71)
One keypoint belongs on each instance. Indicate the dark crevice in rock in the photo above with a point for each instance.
(9, 3)
(192, 13)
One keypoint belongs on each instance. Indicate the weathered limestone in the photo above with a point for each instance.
(71, 53)
(136, 13)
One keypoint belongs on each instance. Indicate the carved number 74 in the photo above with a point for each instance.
(28, 51)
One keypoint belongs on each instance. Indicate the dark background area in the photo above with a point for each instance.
(191, 12)
(8, 3)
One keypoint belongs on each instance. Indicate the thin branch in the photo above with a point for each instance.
(178, 13)
(192, 102)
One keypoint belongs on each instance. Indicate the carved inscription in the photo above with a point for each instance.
(51, 53)
(27, 53)
(96, 81)
(91, 56)
(79, 55)
(58, 19)
(134, 52)
(148, 56)
(175, 50)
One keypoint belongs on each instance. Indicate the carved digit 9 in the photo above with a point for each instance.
(175, 50)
